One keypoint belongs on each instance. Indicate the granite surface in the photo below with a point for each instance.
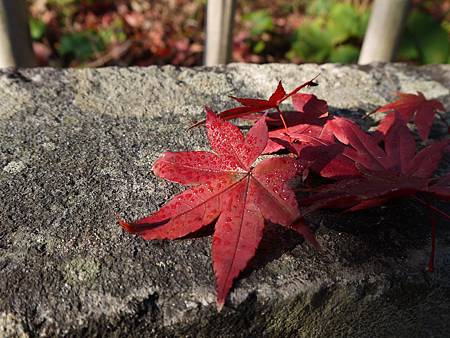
(76, 146)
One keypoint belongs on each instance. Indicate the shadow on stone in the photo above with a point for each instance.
(276, 241)
(202, 232)
(388, 231)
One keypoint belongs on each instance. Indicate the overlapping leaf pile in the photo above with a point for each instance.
(361, 170)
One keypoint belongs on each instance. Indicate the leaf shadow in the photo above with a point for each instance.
(277, 240)
(386, 231)
(363, 117)
(205, 231)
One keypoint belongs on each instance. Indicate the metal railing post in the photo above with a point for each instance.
(15, 41)
(384, 31)
(219, 31)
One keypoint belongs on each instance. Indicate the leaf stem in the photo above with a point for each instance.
(373, 111)
(286, 130)
(433, 213)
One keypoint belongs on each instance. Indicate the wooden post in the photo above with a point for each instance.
(15, 41)
(219, 31)
(383, 33)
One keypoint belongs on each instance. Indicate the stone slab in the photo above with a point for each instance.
(76, 145)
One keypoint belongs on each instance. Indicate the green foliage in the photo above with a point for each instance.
(66, 9)
(344, 54)
(344, 22)
(407, 49)
(61, 3)
(114, 33)
(330, 31)
(319, 7)
(260, 22)
(259, 47)
(37, 28)
(334, 35)
(81, 45)
(312, 43)
(425, 40)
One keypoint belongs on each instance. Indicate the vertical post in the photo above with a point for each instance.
(219, 31)
(383, 33)
(15, 40)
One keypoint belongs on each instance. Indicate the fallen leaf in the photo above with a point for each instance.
(251, 106)
(224, 185)
(395, 171)
(409, 107)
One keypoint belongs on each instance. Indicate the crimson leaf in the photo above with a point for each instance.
(225, 185)
(410, 106)
(397, 170)
(250, 106)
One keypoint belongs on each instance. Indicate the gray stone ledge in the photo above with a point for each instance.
(77, 145)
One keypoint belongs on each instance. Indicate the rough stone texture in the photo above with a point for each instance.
(77, 146)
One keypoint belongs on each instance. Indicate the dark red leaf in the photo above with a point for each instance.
(417, 107)
(249, 102)
(293, 133)
(370, 190)
(310, 105)
(251, 106)
(364, 148)
(308, 119)
(387, 173)
(386, 123)
(425, 163)
(310, 83)
(315, 148)
(306, 232)
(278, 94)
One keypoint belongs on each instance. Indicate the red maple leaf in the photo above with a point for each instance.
(307, 107)
(321, 156)
(317, 150)
(308, 118)
(310, 105)
(397, 170)
(410, 106)
(250, 106)
(291, 134)
(225, 185)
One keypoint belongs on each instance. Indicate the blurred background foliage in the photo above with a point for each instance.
(143, 32)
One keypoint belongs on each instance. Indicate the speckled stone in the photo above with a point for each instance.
(76, 146)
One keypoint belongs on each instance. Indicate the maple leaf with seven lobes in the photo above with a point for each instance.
(409, 106)
(225, 185)
(387, 173)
